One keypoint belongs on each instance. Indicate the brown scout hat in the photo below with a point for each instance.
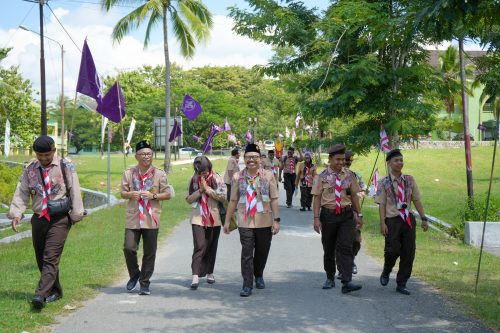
(336, 149)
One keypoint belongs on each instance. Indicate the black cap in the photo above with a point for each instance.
(349, 155)
(252, 148)
(141, 145)
(270, 151)
(291, 148)
(393, 153)
(336, 149)
(44, 144)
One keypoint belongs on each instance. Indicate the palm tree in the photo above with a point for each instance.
(191, 22)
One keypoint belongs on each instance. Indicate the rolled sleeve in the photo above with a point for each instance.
(316, 188)
(381, 195)
(235, 188)
(273, 187)
(76, 213)
(20, 199)
(415, 192)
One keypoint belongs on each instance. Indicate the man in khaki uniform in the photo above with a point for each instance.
(272, 164)
(305, 175)
(255, 193)
(232, 167)
(45, 180)
(395, 194)
(336, 216)
(144, 186)
(288, 168)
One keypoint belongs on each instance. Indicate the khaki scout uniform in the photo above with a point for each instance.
(400, 241)
(289, 177)
(231, 169)
(337, 231)
(255, 232)
(48, 236)
(206, 238)
(305, 188)
(271, 165)
(158, 183)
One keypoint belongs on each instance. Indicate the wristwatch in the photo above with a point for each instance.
(360, 214)
(424, 219)
(277, 219)
(155, 196)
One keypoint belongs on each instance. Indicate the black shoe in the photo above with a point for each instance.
(38, 302)
(354, 268)
(403, 290)
(211, 280)
(144, 291)
(384, 279)
(259, 283)
(288, 206)
(194, 286)
(132, 283)
(339, 276)
(349, 286)
(52, 298)
(246, 291)
(303, 209)
(329, 284)
(309, 208)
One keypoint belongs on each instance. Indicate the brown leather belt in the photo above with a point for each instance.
(343, 210)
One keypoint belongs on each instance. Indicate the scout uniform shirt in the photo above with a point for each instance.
(31, 186)
(213, 204)
(286, 164)
(271, 165)
(312, 173)
(156, 183)
(387, 193)
(232, 165)
(324, 184)
(266, 188)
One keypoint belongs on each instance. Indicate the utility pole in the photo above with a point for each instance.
(468, 157)
(43, 113)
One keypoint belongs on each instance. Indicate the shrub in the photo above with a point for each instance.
(8, 182)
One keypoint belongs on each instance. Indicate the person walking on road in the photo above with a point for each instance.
(288, 169)
(255, 194)
(272, 164)
(144, 186)
(395, 194)
(232, 167)
(337, 214)
(305, 175)
(206, 192)
(52, 185)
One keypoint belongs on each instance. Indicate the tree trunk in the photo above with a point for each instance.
(166, 162)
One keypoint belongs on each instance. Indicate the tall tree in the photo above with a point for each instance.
(191, 22)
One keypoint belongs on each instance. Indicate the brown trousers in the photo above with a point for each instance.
(48, 241)
(400, 242)
(205, 242)
(337, 237)
(255, 246)
(130, 247)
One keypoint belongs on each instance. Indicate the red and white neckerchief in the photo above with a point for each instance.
(251, 195)
(144, 203)
(274, 167)
(404, 213)
(307, 175)
(338, 192)
(292, 164)
(46, 193)
(204, 211)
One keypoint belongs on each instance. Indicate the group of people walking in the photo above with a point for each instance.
(245, 199)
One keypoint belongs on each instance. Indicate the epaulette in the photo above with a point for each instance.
(30, 163)
(324, 173)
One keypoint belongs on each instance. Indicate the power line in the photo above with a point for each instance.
(66, 31)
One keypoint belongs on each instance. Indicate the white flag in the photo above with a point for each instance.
(7, 139)
(293, 135)
(287, 133)
(297, 119)
(104, 123)
(131, 130)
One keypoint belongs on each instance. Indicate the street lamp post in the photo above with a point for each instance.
(44, 112)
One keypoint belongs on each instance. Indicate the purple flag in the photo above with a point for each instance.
(190, 108)
(207, 146)
(196, 138)
(248, 136)
(113, 104)
(176, 131)
(88, 81)
(226, 126)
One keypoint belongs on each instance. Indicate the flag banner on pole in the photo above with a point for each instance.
(88, 81)
(297, 119)
(104, 123)
(196, 138)
(6, 148)
(248, 136)
(294, 136)
(287, 133)
(232, 138)
(227, 128)
(131, 130)
(191, 108)
(207, 146)
(374, 186)
(176, 131)
(113, 104)
(384, 141)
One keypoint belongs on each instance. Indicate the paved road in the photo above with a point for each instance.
(292, 302)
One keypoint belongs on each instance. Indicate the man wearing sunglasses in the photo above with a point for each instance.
(144, 186)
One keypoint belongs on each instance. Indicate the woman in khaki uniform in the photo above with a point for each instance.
(206, 191)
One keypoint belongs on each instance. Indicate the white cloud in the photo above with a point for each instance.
(223, 49)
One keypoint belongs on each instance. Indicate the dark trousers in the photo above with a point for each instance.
(337, 237)
(48, 241)
(305, 196)
(289, 182)
(228, 187)
(205, 241)
(400, 242)
(130, 247)
(255, 246)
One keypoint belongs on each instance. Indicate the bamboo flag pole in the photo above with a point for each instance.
(371, 174)
(72, 119)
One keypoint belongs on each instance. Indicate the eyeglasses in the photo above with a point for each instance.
(252, 157)
(145, 154)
